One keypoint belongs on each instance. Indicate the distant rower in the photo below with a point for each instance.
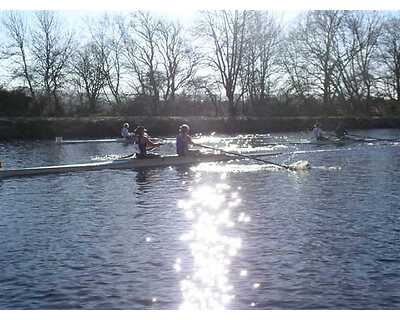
(317, 132)
(128, 136)
(340, 131)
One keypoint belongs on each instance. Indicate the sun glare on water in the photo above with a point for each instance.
(211, 211)
(232, 167)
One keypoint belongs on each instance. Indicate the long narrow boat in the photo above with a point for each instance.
(60, 140)
(330, 141)
(129, 163)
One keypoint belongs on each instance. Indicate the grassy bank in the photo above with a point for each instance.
(101, 127)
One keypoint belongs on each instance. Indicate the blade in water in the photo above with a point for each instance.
(301, 165)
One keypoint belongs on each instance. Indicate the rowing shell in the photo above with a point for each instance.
(60, 140)
(129, 163)
(330, 141)
(342, 141)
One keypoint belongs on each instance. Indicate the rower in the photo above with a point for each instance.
(183, 140)
(340, 131)
(128, 136)
(144, 144)
(317, 132)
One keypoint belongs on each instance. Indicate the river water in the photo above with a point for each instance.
(237, 235)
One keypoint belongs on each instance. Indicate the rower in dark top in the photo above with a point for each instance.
(144, 144)
(183, 140)
(340, 131)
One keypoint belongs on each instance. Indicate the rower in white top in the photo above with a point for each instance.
(128, 136)
(317, 132)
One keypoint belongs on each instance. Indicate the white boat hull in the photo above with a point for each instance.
(59, 140)
(330, 141)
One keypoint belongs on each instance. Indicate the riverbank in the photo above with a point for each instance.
(102, 127)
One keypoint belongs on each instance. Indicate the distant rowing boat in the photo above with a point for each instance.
(342, 141)
(328, 141)
(60, 140)
(129, 163)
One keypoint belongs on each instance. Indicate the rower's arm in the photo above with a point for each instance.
(151, 144)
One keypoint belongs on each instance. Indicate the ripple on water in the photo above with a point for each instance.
(322, 238)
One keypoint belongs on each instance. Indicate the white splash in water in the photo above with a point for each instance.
(107, 157)
(301, 165)
(333, 168)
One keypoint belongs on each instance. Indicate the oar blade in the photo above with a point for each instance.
(300, 165)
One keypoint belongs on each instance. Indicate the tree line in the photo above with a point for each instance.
(229, 62)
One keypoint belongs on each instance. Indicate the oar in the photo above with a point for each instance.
(246, 156)
(332, 137)
(373, 138)
(132, 154)
(127, 156)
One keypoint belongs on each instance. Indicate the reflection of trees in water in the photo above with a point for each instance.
(143, 184)
(146, 190)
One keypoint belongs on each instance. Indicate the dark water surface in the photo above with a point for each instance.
(237, 235)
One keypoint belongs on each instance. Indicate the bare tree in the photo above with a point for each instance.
(179, 60)
(204, 88)
(17, 47)
(105, 33)
(226, 30)
(390, 57)
(261, 55)
(129, 42)
(364, 28)
(295, 67)
(141, 37)
(51, 49)
(317, 38)
(87, 67)
(355, 54)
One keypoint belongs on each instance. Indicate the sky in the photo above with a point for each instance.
(73, 18)
(182, 7)
(185, 10)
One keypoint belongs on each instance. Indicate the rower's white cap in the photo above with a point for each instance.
(126, 125)
(184, 127)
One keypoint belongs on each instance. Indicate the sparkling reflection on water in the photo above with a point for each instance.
(211, 210)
